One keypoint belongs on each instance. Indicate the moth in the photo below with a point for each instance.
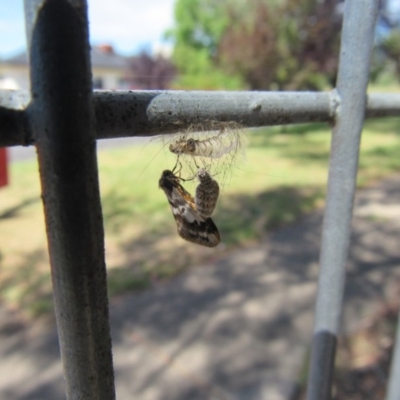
(213, 147)
(217, 146)
(191, 225)
(207, 193)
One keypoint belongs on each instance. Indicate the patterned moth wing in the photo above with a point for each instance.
(207, 192)
(190, 224)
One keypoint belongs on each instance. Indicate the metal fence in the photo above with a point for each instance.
(63, 118)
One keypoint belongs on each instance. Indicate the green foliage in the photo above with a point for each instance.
(199, 26)
(200, 23)
(258, 44)
(198, 72)
(391, 47)
(392, 44)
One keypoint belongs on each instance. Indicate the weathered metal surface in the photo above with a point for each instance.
(61, 120)
(356, 46)
(148, 113)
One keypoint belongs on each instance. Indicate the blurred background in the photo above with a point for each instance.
(187, 45)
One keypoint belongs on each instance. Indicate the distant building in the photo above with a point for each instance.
(14, 72)
(109, 70)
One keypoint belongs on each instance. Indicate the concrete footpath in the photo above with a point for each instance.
(237, 329)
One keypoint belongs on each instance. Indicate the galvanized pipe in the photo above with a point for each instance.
(147, 113)
(382, 105)
(357, 39)
(393, 390)
(61, 119)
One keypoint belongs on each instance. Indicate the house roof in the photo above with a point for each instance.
(104, 56)
(101, 56)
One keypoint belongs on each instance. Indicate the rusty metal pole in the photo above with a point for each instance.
(62, 121)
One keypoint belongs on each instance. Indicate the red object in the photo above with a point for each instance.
(3, 167)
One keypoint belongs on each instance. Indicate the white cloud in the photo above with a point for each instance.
(129, 24)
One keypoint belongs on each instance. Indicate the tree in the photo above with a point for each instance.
(262, 44)
(149, 72)
(198, 29)
(391, 47)
(387, 39)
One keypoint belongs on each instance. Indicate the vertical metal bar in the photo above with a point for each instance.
(393, 391)
(357, 39)
(62, 121)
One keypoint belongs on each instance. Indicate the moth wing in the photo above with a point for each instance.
(185, 195)
(191, 226)
(206, 235)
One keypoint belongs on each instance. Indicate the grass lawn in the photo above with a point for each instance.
(284, 176)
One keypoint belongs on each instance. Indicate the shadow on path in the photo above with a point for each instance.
(13, 211)
(236, 329)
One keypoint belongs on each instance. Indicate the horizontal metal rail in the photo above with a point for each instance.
(149, 113)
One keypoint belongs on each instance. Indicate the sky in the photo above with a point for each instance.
(129, 25)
